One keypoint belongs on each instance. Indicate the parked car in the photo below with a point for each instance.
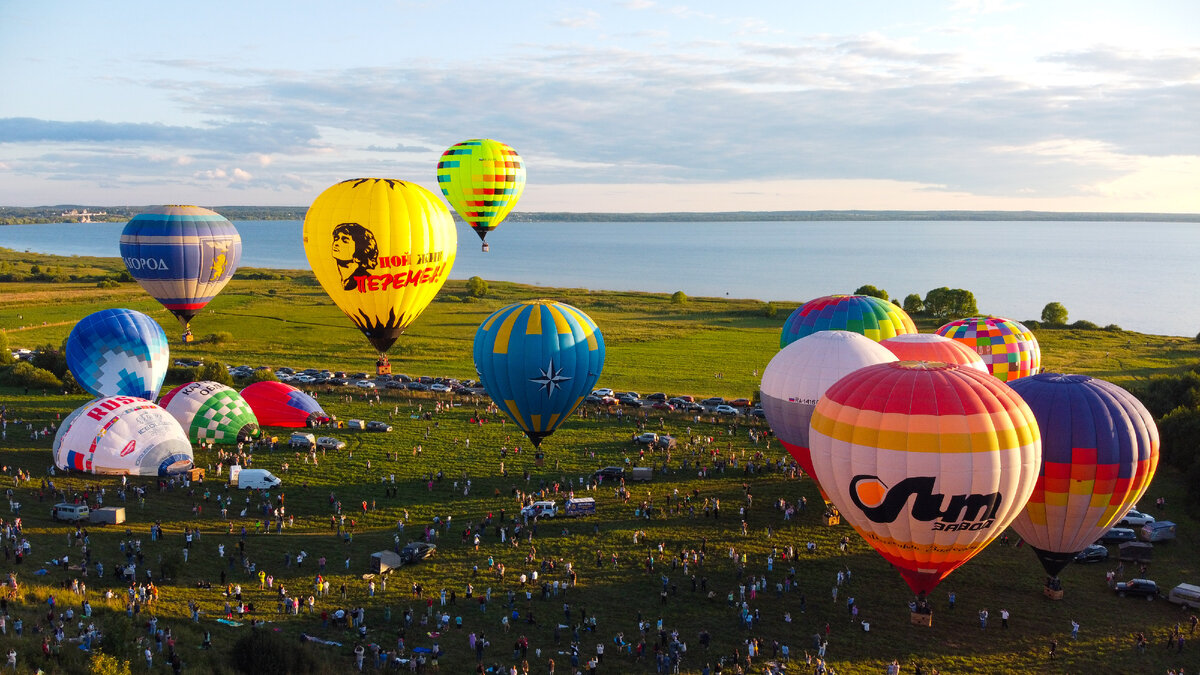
(417, 550)
(632, 402)
(378, 426)
(665, 442)
(592, 398)
(395, 384)
(759, 413)
(1162, 530)
(365, 384)
(603, 392)
(70, 512)
(740, 403)
(545, 509)
(437, 386)
(331, 443)
(610, 473)
(726, 410)
(663, 405)
(1093, 553)
(647, 437)
(1135, 518)
(1117, 535)
(356, 424)
(1144, 587)
(713, 401)
(659, 396)
(304, 379)
(1187, 595)
(302, 440)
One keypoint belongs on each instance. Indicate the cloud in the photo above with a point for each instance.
(585, 20)
(1160, 67)
(399, 147)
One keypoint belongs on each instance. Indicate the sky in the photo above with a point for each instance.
(623, 106)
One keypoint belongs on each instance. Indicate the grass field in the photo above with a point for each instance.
(704, 347)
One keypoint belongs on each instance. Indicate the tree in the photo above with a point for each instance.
(946, 302)
(872, 291)
(215, 372)
(1054, 314)
(264, 375)
(679, 298)
(477, 287)
(769, 310)
(103, 664)
(913, 304)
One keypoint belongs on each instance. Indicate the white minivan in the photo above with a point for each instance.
(257, 479)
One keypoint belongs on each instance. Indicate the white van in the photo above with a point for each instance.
(257, 479)
(1185, 594)
(70, 512)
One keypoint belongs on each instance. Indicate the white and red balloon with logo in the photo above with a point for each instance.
(122, 435)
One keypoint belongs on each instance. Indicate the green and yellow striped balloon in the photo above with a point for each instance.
(482, 179)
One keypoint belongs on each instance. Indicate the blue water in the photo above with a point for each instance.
(1141, 276)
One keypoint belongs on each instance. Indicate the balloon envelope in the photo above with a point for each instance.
(873, 317)
(118, 352)
(537, 360)
(928, 462)
(482, 179)
(181, 255)
(381, 249)
(799, 375)
(211, 411)
(122, 435)
(1008, 348)
(276, 404)
(933, 347)
(1099, 453)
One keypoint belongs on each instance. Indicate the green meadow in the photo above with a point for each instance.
(702, 347)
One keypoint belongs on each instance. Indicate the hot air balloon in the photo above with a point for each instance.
(118, 352)
(929, 462)
(1008, 348)
(122, 435)
(482, 179)
(1099, 452)
(538, 359)
(181, 255)
(933, 347)
(800, 373)
(211, 412)
(276, 404)
(873, 317)
(381, 249)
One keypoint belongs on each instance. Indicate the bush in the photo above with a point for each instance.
(107, 283)
(477, 287)
(1085, 325)
(913, 304)
(871, 291)
(125, 276)
(264, 376)
(769, 310)
(1114, 328)
(218, 338)
(215, 372)
(1054, 314)
(679, 298)
(25, 374)
(1032, 324)
(103, 664)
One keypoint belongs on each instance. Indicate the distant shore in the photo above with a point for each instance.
(32, 215)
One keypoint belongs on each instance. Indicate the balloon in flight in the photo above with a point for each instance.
(276, 404)
(211, 412)
(381, 249)
(537, 360)
(1008, 348)
(799, 375)
(118, 352)
(182, 256)
(482, 179)
(929, 462)
(933, 347)
(122, 435)
(1099, 453)
(873, 317)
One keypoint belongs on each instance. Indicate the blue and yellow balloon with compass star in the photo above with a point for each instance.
(538, 359)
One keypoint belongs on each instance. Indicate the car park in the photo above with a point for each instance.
(759, 413)
(1135, 518)
(622, 395)
(417, 550)
(1093, 553)
(330, 443)
(726, 410)
(1143, 587)
(378, 426)
(1117, 535)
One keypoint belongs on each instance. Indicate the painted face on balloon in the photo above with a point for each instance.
(343, 247)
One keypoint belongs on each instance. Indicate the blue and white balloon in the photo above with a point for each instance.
(118, 352)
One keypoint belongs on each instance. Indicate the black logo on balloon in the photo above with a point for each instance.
(356, 253)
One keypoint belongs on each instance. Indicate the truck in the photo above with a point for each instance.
(580, 506)
(256, 479)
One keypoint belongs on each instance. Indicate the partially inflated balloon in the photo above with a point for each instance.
(1100, 450)
(1008, 348)
(211, 412)
(482, 179)
(122, 435)
(933, 347)
(276, 404)
(537, 360)
(799, 375)
(118, 352)
(928, 462)
(181, 255)
(381, 249)
(873, 317)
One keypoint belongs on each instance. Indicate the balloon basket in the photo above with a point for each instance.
(921, 619)
(832, 519)
(486, 248)
(188, 337)
(383, 366)
(1052, 594)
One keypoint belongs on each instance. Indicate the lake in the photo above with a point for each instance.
(1138, 275)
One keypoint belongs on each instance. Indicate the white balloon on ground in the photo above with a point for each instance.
(122, 435)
